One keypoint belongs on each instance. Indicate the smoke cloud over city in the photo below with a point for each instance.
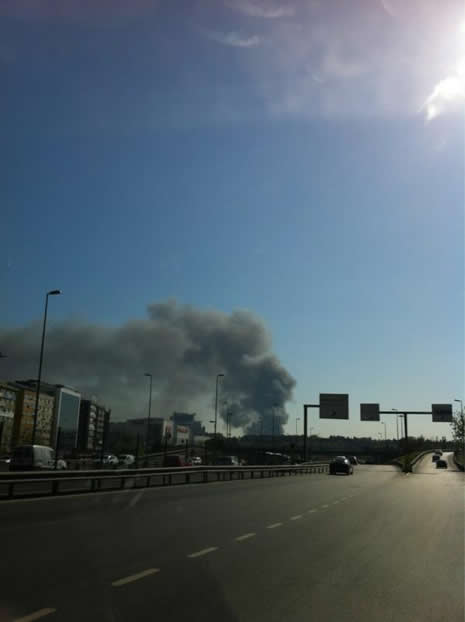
(184, 348)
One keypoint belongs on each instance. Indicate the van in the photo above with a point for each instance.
(32, 458)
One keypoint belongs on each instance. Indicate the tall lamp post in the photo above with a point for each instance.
(272, 430)
(147, 435)
(218, 376)
(53, 292)
(385, 430)
(225, 415)
(397, 423)
(296, 421)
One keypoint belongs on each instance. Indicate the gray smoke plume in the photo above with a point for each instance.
(184, 348)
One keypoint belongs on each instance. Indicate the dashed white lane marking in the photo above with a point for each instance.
(311, 511)
(274, 525)
(325, 506)
(334, 502)
(296, 517)
(344, 498)
(210, 549)
(36, 615)
(135, 577)
(246, 536)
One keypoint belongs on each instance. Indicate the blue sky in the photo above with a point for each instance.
(300, 161)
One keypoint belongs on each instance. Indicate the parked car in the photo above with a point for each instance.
(341, 465)
(110, 460)
(195, 460)
(32, 457)
(126, 460)
(174, 461)
(353, 460)
(435, 458)
(441, 464)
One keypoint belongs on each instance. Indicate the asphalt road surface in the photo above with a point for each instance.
(376, 546)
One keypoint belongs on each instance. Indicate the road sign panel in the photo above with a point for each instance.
(334, 406)
(369, 412)
(442, 413)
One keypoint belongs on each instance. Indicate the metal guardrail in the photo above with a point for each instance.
(457, 463)
(144, 478)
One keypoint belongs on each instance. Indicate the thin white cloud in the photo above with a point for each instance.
(389, 8)
(447, 94)
(260, 9)
(234, 39)
(334, 65)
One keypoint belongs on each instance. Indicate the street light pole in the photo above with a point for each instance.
(53, 292)
(218, 376)
(147, 434)
(297, 419)
(385, 432)
(397, 423)
(225, 415)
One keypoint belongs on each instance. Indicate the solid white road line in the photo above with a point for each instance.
(246, 536)
(274, 525)
(296, 517)
(36, 615)
(312, 511)
(325, 506)
(135, 577)
(210, 549)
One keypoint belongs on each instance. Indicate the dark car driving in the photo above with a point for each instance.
(341, 465)
(435, 457)
(441, 464)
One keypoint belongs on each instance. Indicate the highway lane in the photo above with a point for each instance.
(376, 546)
(427, 466)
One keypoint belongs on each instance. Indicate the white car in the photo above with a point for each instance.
(110, 460)
(126, 460)
(61, 465)
(196, 460)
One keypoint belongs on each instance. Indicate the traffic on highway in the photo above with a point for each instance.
(243, 550)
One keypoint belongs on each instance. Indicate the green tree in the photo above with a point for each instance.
(458, 429)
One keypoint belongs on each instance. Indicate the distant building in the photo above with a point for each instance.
(94, 421)
(65, 419)
(187, 420)
(134, 433)
(24, 414)
(8, 396)
(159, 431)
